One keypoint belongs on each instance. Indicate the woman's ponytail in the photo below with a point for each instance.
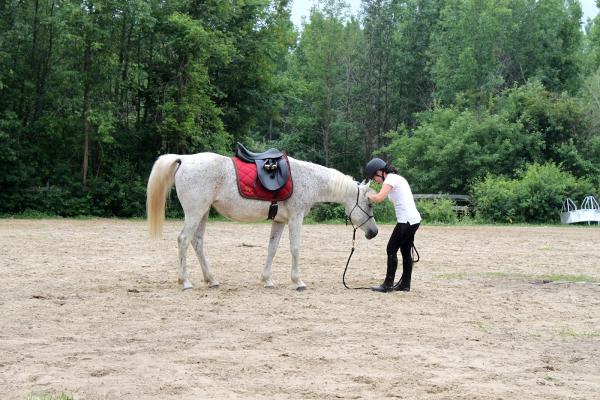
(390, 169)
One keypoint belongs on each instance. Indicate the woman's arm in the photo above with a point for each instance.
(379, 197)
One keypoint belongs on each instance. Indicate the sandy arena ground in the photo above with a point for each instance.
(92, 309)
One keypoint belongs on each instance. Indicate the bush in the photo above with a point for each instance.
(384, 212)
(327, 212)
(437, 211)
(536, 196)
(433, 211)
(495, 199)
(451, 148)
(121, 193)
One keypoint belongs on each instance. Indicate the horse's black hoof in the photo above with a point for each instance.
(214, 286)
(301, 288)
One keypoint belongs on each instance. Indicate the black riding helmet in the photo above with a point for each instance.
(373, 166)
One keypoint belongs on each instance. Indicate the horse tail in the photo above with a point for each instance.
(160, 182)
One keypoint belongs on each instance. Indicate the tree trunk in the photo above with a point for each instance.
(87, 56)
(43, 69)
(28, 102)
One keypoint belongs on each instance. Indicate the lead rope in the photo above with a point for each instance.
(412, 255)
(413, 251)
(348, 218)
(348, 262)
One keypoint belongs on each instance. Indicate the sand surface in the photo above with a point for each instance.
(92, 309)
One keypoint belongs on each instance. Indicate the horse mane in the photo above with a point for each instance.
(336, 184)
(341, 183)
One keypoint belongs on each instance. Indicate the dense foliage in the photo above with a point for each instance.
(532, 197)
(473, 97)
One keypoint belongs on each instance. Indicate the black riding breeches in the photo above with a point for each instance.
(402, 239)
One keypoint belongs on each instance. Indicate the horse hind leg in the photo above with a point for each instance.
(198, 244)
(183, 241)
(276, 231)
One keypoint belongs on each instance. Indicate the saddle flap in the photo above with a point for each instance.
(272, 179)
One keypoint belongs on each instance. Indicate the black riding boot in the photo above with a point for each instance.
(403, 284)
(388, 283)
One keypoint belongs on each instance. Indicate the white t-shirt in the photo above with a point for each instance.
(402, 197)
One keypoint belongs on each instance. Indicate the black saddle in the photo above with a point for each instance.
(271, 166)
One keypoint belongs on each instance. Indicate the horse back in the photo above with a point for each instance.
(206, 179)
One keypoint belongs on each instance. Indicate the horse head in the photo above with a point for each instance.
(360, 211)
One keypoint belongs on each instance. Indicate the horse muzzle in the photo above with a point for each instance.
(371, 233)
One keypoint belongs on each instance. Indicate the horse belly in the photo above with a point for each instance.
(247, 210)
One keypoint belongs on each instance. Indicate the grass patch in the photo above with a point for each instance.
(452, 276)
(465, 275)
(507, 275)
(572, 334)
(569, 278)
(481, 326)
(49, 397)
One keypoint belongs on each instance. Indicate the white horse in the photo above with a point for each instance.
(206, 179)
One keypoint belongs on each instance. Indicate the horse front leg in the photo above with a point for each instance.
(276, 231)
(198, 244)
(295, 227)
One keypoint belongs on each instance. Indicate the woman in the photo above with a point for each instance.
(408, 219)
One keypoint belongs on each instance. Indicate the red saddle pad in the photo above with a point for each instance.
(250, 187)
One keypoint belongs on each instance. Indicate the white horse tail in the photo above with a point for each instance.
(160, 182)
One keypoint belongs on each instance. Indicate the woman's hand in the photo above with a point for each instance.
(379, 197)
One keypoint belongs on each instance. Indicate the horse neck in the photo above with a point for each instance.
(335, 187)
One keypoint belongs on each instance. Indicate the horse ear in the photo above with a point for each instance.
(364, 181)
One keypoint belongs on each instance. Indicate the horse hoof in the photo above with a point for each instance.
(301, 288)
(187, 288)
(215, 286)
(269, 287)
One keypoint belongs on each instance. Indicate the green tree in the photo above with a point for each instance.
(322, 129)
(546, 44)
(468, 45)
(92, 91)
(481, 47)
(190, 118)
(411, 82)
(592, 44)
(260, 34)
(380, 26)
(560, 121)
(451, 149)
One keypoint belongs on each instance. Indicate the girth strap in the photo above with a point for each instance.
(273, 208)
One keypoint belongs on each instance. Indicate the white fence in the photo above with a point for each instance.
(588, 212)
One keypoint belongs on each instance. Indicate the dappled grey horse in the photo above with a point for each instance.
(206, 179)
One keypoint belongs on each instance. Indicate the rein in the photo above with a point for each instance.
(413, 250)
(348, 218)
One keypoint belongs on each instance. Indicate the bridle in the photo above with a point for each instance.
(349, 218)
(349, 215)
